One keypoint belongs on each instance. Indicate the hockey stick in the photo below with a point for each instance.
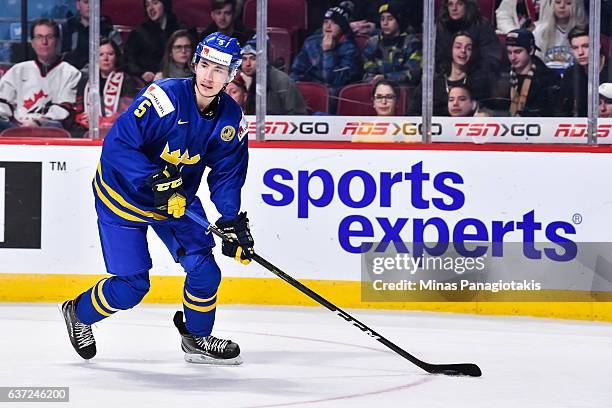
(468, 369)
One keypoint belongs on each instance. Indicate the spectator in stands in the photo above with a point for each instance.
(384, 97)
(534, 87)
(282, 96)
(117, 89)
(41, 92)
(464, 15)
(75, 35)
(237, 90)
(394, 54)
(225, 20)
(144, 48)
(460, 67)
(514, 14)
(460, 102)
(605, 100)
(176, 62)
(575, 81)
(552, 28)
(330, 57)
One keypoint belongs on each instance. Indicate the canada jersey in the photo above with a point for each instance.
(164, 125)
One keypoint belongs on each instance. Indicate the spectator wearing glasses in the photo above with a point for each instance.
(384, 98)
(176, 62)
(41, 92)
(605, 100)
(75, 35)
(144, 48)
(225, 19)
(575, 81)
(464, 15)
(117, 89)
(395, 53)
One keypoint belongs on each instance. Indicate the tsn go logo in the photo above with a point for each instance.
(20, 204)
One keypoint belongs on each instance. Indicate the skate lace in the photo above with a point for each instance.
(83, 335)
(211, 343)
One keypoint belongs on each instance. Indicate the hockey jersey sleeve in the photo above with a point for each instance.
(8, 94)
(228, 162)
(148, 118)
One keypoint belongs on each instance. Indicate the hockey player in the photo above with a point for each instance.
(151, 166)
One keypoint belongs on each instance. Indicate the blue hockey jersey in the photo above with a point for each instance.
(164, 125)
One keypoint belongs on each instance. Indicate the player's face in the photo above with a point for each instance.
(384, 100)
(237, 93)
(108, 59)
(580, 48)
(519, 57)
(223, 17)
(44, 42)
(249, 64)
(456, 9)
(389, 25)
(210, 77)
(605, 107)
(155, 9)
(462, 50)
(459, 102)
(181, 50)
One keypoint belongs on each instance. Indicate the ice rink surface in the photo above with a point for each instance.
(308, 357)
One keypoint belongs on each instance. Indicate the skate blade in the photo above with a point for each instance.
(202, 359)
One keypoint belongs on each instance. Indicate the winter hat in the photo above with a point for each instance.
(605, 90)
(340, 16)
(521, 38)
(396, 10)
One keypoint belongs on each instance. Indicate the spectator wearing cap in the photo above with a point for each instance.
(534, 87)
(225, 19)
(395, 53)
(330, 57)
(575, 80)
(605, 100)
(464, 15)
(145, 46)
(282, 96)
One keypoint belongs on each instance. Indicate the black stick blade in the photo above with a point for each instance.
(466, 369)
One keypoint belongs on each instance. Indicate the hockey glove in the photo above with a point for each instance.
(241, 245)
(168, 194)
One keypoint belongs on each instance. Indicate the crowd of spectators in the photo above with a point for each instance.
(532, 62)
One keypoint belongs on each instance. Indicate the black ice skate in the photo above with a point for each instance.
(80, 334)
(206, 350)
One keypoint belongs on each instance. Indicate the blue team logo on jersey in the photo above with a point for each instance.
(175, 157)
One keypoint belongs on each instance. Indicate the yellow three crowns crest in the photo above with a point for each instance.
(228, 133)
(177, 158)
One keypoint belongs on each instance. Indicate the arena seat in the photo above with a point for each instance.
(196, 13)
(315, 95)
(289, 14)
(124, 12)
(35, 131)
(280, 40)
(356, 100)
(361, 41)
(124, 31)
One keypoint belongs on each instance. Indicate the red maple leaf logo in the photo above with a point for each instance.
(28, 103)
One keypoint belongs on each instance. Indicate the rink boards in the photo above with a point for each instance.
(311, 208)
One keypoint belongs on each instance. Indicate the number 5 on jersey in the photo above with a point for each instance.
(142, 108)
